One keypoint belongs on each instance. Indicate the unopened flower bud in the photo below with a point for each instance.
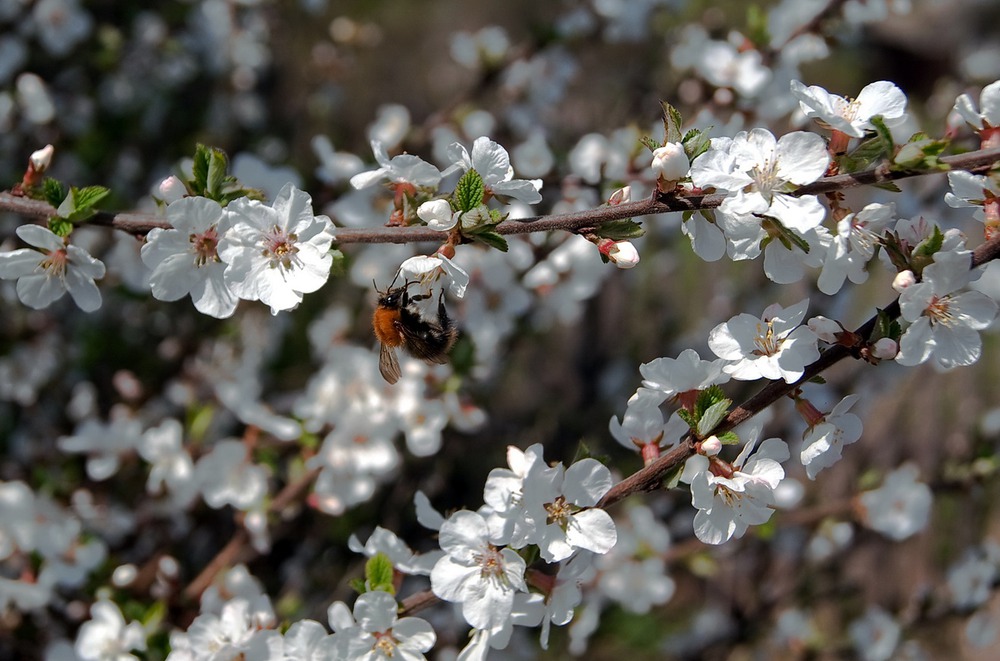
(903, 280)
(438, 215)
(825, 329)
(886, 348)
(670, 163)
(171, 189)
(624, 255)
(711, 446)
(42, 158)
(621, 196)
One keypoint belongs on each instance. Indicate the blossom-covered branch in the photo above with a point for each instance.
(142, 223)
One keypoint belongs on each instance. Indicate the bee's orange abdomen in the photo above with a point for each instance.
(385, 323)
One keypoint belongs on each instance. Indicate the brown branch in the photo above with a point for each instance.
(237, 547)
(650, 477)
(141, 223)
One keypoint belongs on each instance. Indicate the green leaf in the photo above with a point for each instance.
(378, 574)
(60, 226)
(87, 198)
(672, 122)
(620, 230)
(358, 585)
(931, 244)
(818, 380)
(728, 438)
(492, 239)
(688, 417)
(884, 136)
(218, 163)
(696, 143)
(673, 477)
(469, 191)
(78, 206)
(53, 191)
(788, 238)
(921, 152)
(199, 169)
(649, 143)
(712, 416)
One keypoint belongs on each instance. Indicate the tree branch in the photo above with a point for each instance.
(141, 223)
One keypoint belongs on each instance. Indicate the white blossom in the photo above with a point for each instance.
(185, 260)
(852, 116)
(823, 443)
(476, 574)
(56, 267)
(276, 253)
(774, 346)
(899, 508)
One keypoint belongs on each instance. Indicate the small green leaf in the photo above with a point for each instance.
(378, 573)
(620, 230)
(688, 417)
(60, 226)
(199, 169)
(728, 438)
(218, 163)
(884, 136)
(672, 122)
(673, 477)
(492, 239)
(921, 152)
(358, 585)
(818, 380)
(712, 416)
(696, 143)
(339, 266)
(649, 143)
(78, 206)
(931, 244)
(53, 191)
(87, 198)
(469, 191)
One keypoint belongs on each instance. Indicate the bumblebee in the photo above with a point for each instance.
(397, 323)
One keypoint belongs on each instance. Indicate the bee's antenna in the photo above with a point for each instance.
(394, 279)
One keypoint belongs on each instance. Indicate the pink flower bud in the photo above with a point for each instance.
(711, 446)
(886, 348)
(825, 329)
(171, 189)
(620, 196)
(903, 280)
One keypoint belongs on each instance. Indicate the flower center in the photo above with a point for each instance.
(491, 565)
(205, 246)
(558, 511)
(385, 644)
(939, 311)
(766, 341)
(280, 248)
(55, 263)
(765, 176)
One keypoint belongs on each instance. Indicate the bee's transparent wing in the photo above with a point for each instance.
(388, 365)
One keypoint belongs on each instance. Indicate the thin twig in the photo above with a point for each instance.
(141, 223)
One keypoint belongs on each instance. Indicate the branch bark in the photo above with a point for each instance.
(140, 223)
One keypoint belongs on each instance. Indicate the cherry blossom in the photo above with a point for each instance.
(852, 116)
(276, 253)
(185, 260)
(899, 508)
(476, 574)
(492, 163)
(57, 267)
(823, 443)
(774, 346)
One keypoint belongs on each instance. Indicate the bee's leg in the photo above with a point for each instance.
(443, 320)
